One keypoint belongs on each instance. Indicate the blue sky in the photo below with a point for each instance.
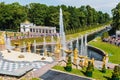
(102, 5)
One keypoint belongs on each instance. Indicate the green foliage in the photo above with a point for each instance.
(116, 18)
(69, 65)
(89, 70)
(75, 19)
(116, 73)
(104, 35)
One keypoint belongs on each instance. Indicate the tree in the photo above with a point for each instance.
(116, 18)
(105, 35)
(37, 13)
(11, 15)
(116, 73)
(75, 19)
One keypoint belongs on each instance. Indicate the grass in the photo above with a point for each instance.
(112, 50)
(38, 40)
(97, 74)
(75, 35)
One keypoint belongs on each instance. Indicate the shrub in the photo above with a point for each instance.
(89, 70)
(69, 65)
(116, 73)
(105, 35)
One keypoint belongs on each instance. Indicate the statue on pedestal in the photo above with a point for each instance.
(86, 61)
(2, 43)
(75, 55)
(29, 47)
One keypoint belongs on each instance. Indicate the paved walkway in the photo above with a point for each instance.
(44, 69)
(58, 75)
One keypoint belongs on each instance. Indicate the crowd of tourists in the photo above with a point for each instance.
(112, 40)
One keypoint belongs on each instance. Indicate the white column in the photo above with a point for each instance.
(35, 30)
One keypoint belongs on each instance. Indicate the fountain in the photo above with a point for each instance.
(34, 46)
(82, 46)
(62, 34)
(52, 46)
(44, 45)
(24, 47)
(71, 45)
(77, 44)
(85, 48)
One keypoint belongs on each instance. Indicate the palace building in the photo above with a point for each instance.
(30, 27)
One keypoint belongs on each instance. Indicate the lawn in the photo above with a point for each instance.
(97, 74)
(112, 50)
(38, 40)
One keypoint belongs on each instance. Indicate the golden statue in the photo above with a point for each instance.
(104, 61)
(93, 60)
(106, 58)
(2, 41)
(28, 47)
(75, 55)
(86, 61)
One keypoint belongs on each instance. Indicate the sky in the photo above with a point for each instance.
(99, 5)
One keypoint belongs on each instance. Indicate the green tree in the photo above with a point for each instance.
(11, 15)
(37, 13)
(116, 18)
(105, 35)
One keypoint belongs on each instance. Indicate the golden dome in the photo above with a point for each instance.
(26, 22)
